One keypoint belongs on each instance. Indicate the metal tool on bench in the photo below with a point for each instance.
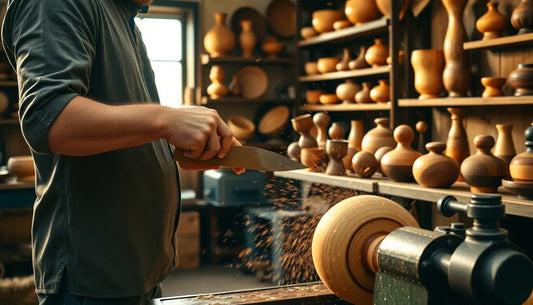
(412, 266)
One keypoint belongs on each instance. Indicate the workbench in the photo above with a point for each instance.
(301, 294)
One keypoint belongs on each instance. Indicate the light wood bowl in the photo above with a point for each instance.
(313, 96)
(323, 20)
(21, 167)
(340, 237)
(308, 32)
(242, 127)
(328, 64)
(311, 68)
(328, 98)
(274, 121)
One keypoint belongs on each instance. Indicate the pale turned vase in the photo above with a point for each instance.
(247, 38)
(219, 40)
(428, 66)
(492, 23)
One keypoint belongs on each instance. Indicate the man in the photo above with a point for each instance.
(107, 202)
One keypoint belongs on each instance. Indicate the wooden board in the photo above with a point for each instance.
(309, 293)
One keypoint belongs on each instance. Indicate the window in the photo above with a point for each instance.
(165, 31)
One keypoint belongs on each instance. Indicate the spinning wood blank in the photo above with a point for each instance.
(346, 240)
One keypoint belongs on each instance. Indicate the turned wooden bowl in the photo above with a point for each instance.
(344, 233)
(323, 20)
(314, 158)
(242, 127)
(274, 121)
(21, 167)
(272, 48)
(328, 64)
(328, 98)
(341, 24)
(313, 96)
(311, 68)
(308, 32)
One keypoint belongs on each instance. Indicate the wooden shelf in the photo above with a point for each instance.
(239, 100)
(8, 83)
(9, 121)
(502, 42)
(374, 71)
(385, 186)
(208, 60)
(12, 184)
(467, 101)
(363, 30)
(347, 107)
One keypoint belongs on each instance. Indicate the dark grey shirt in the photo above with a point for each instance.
(109, 219)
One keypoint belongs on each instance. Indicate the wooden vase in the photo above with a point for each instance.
(379, 136)
(219, 40)
(343, 65)
(359, 62)
(492, 23)
(421, 128)
(217, 89)
(457, 144)
(321, 121)
(355, 137)
(336, 131)
(521, 79)
(336, 150)
(377, 54)
(457, 74)
(435, 169)
(397, 164)
(493, 86)
(522, 17)
(346, 91)
(521, 166)
(428, 66)
(361, 11)
(504, 148)
(381, 92)
(363, 95)
(303, 124)
(483, 171)
(247, 38)
(364, 164)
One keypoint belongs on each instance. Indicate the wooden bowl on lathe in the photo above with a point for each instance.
(344, 233)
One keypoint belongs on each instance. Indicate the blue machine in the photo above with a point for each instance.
(224, 188)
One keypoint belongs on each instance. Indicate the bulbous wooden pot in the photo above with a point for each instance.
(521, 166)
(398, 163)
(377, 54)
(492, 23)
(521, 79)
(384, 7)
(359, 62)
(493, 86)
(346, 91)
(522, 17)
(361, 11)
(379, 136)
(428, 66)
(343, 64)
(346, 240)
(336, 131)
(435, 169)
(219, 40)
(363, 95)
(380, 153)
(294, 151)
(381, 92)
(217, 89)
(364, 164)
(483, 171)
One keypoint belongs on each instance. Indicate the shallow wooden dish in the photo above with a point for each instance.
(340, 237)
(281, 17)
(524, 190)
(274, 121)
(253, 81)
(21, 167)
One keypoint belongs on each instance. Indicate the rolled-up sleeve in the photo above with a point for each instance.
(51, 44)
